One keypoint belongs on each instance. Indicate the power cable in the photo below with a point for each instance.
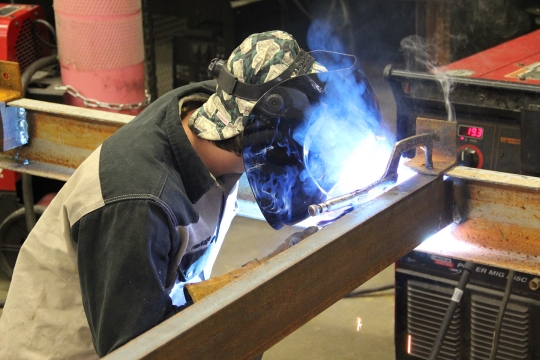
(502, 309)
(364, 292)
(48, 26)
(27, 188)
(468, 268)
(28, 201)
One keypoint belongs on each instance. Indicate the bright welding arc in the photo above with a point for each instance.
(388, 179)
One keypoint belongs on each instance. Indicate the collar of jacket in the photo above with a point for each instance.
(196, 178)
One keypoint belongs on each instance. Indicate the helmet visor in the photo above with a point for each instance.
(298, 131)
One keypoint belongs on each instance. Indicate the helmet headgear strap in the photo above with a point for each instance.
(229, 83)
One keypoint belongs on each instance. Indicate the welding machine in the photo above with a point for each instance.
(20, 34)
(496, 98)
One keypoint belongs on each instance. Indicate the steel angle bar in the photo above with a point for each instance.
(61, 137)
(248, 316)
(444, 146)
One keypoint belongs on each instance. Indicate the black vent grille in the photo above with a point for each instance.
(27, 47)
(515, 330)
(426, 308)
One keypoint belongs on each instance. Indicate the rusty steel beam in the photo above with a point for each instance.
(501, 221)
(61, 137)
(248, 316)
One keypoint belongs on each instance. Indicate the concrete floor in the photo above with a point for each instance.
(332, 334)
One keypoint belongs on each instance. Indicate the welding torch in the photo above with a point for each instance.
(388, 179)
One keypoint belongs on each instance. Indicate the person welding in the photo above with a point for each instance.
(147, 212)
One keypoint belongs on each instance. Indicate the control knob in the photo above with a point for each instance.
(468, 157)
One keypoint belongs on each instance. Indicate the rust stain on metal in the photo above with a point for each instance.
(499, 236)
(523, 199)
(496, 203)
(67, 159)
(489, 243)
(445, 135)
(502, 225)
(65, 131)
(61, 137)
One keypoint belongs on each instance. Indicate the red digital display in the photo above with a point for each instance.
(471, 131)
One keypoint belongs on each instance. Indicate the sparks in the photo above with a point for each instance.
(358, 324)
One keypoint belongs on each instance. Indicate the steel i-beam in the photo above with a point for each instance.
(251, 314)
(61, 137)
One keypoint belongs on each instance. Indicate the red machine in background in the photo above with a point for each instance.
(21, 35)
(516, 61)
(93, 74)
(24, 38)
(496, 98)
(19, 42)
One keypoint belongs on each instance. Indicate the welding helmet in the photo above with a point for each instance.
(297, 120)
(295, 133)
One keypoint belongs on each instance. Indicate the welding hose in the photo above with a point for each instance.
(28, 201)
(502, 309)
(27, 190)
(35, 66)
(365, 292)
(468, 268)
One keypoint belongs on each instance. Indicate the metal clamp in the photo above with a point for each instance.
(14, 127)
(388, 179)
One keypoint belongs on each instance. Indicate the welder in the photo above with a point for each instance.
(148, 210)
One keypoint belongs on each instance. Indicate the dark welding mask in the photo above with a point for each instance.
(294, 128)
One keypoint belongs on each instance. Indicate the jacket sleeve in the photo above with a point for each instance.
(123, 256)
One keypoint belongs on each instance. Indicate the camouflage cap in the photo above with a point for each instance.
(259, 59)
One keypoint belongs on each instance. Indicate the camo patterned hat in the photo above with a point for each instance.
(259, 59)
